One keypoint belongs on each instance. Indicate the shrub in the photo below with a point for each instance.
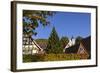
(61, 57)
(33, 58)
(53, 57)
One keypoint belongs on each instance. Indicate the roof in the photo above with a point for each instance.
(86, 42)
(37, 44)
(72, 49)
(70, 43)
(42, 43)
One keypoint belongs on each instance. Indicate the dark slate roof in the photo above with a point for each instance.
(72, 49)
(86, 42)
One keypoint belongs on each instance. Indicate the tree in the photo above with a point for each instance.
(78, 39)
(64, 41)
(32, 19)
(53, 45)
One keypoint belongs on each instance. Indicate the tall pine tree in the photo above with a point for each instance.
(53, 45)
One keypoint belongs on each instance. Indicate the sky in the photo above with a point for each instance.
(66, 24)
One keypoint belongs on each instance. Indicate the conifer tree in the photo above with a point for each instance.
(53, 45)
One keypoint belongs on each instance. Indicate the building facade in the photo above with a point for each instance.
(30, 46)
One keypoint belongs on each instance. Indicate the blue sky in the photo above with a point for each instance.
(66, 24)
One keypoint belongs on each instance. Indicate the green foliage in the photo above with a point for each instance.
(35, 18)
(53, 57)
(64, 41)
(33, 58)
(27, 58)
(61, 57)
(53, 45)
(78, 39)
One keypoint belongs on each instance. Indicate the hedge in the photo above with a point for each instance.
(60, 57)
(32, 58)
(53, 57)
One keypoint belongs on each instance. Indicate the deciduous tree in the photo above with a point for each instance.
(32, 19)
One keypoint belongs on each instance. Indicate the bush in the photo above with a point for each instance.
(27, 58)
(61, 57)
(33, 58)
(53, 57)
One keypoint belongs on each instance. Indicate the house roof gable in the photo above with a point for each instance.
(86, 42)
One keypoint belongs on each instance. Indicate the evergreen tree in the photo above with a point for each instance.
(64, 41)
(78, 39)
(53, 45)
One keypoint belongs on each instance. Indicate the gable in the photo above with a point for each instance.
(87, 44)
(30, 43)
(81, 50)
